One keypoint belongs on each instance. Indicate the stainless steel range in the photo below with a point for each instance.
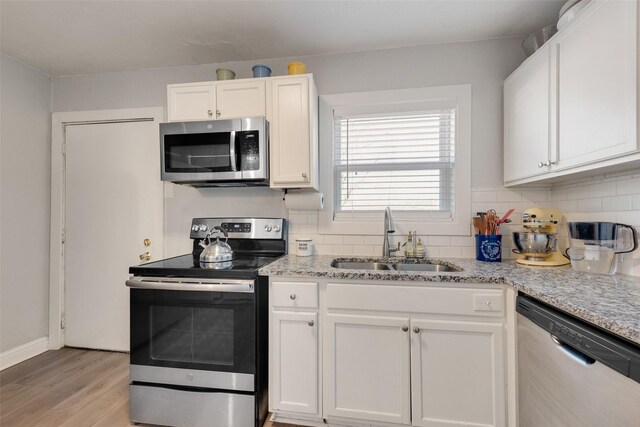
(199, 329)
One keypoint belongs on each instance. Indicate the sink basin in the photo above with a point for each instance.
(392, 266)
(360, 265)
(423, 267)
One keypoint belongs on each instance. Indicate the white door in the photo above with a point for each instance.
(457, 373)
(367, 368)
(114, 201)
(294, 374)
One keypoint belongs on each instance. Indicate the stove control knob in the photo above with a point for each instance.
(195, 227)
(267, 228)
(203, 227)
(276, 228)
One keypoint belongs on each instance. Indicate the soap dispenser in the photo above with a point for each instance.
(408, 249)
(420, 249)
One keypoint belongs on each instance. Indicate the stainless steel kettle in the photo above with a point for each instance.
(216, 251)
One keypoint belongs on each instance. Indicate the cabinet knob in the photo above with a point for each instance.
(545, 164)
(311, 323)
(292, 296)
(217, 113)
(405, 328)
(210, 113)
(145, 256)
(416, 330)
(304, 175)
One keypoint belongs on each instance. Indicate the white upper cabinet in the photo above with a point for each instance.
(292, 112)
(582, 110)
(242, 98)
(216, 100)
(526, 118)
(290, 104)
(191, 101)
(595, 74)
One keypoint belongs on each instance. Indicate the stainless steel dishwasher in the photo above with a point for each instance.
(571, 373)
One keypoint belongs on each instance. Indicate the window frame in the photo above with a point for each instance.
(401, 100)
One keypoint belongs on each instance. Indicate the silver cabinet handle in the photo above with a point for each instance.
(405, 328)
(217, 113)
(292, 296)
(210, 113)
(416, 330)
(311, 323)
(304, 175)
(545, 164)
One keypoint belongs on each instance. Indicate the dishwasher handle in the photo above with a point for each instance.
(571, 352)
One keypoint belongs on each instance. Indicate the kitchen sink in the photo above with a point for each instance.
(423, 267)
(393, 266)
(360, 265)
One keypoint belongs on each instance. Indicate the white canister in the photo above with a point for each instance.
(304, 246)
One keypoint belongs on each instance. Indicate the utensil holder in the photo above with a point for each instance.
(489, 247)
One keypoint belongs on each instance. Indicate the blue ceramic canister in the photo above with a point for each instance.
(489, 248)
(261, 71)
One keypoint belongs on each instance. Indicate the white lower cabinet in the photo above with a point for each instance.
(294, 383)
(457, 373)
(389, 354)
(294, 349)
(367, 368)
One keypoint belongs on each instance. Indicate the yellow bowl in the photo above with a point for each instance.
(297, 68)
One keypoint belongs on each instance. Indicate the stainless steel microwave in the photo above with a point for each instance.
(216, 153)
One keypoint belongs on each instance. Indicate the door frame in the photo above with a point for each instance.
(59, 123)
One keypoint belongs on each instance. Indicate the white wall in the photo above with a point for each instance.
(484, 65)
(25, 164)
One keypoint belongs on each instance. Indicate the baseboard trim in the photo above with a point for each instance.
(23, 352)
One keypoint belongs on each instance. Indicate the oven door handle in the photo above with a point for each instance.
(246, 286)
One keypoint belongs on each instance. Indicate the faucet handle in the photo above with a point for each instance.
(395, 249)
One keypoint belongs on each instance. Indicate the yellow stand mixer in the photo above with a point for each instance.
(538, 244)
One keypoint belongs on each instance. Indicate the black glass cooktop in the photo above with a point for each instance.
(243, 266)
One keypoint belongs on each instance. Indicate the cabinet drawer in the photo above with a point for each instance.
(295, 294)
(462, 302)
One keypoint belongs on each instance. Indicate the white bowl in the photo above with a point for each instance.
(570, 14)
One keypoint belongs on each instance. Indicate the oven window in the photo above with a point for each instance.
(198, 152)
(193, 330)
(192, 334)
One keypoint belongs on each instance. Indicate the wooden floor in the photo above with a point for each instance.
(69, 388)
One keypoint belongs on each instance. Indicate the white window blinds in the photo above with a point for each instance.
(405, 161)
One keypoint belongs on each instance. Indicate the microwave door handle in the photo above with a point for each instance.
(232, 151)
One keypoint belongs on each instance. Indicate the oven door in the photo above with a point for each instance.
(193, 333)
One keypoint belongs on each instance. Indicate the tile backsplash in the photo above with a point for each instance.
(613, 198)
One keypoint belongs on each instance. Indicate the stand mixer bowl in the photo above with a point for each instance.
(535, 246)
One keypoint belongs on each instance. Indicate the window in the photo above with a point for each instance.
(407, 149)
(405, 161)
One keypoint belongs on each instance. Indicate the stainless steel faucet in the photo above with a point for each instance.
(388, 228)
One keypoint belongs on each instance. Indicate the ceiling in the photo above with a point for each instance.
(91, 36)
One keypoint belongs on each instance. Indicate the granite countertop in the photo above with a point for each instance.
(610, 302)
